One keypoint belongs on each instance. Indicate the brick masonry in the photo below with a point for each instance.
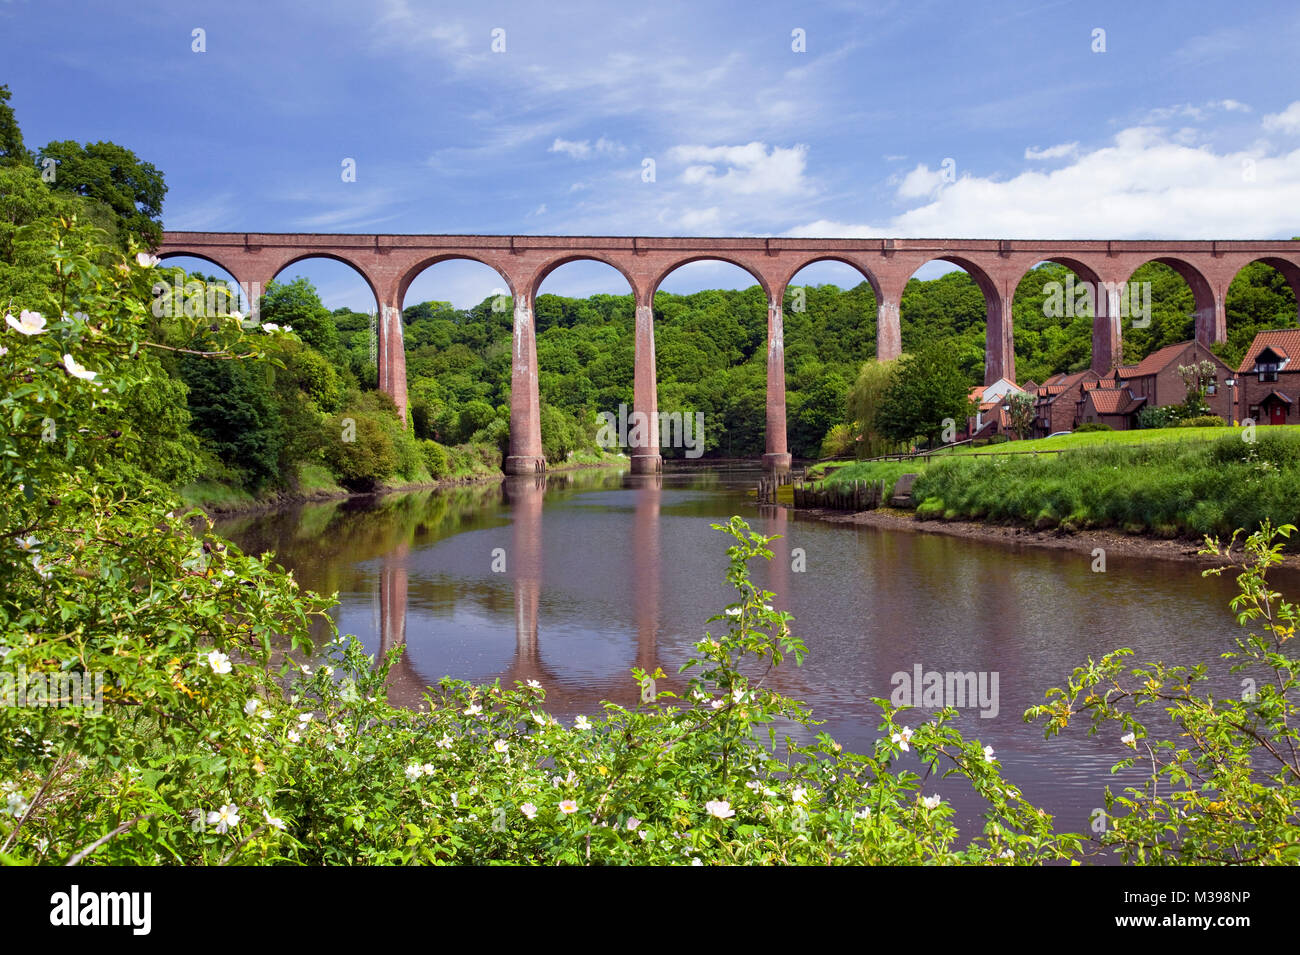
(389, 263)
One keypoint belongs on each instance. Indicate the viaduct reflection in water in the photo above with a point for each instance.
(523, 498)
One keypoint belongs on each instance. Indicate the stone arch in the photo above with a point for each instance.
(305, 254)
(541, 273)
(858, 267)
(1106, 328)
(201, 256)
(999, 347)
(1208, 309)
(416, 270)
(707, 256)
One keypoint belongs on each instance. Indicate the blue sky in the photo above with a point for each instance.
(996, 120)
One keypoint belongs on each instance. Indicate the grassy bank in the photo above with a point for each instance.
(1169, 482)
(317, 483)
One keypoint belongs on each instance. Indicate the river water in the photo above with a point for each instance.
(575, 578)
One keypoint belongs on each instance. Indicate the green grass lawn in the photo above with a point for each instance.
(1092, 439)
(890, 471)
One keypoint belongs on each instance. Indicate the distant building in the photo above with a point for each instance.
(1154, 382)
(1056, 408)
(990, 418)
(1268, 378)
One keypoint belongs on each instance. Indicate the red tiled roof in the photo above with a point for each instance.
(1276, 394)
(1284, 341)
(1158, 360)
(1060, 383)
(1113, 400)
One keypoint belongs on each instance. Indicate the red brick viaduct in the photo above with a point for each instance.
(389, 263)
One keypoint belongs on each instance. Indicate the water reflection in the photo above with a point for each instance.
(605, 571)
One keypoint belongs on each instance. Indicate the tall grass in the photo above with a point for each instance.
(1168, 489)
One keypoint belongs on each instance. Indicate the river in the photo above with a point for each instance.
(575, 578)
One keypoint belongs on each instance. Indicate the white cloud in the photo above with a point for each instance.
(1287, 121)
(1181, 111)
(575, 150)
(921, 181)
(585, 149)
(1231, 106)
(746, 170)
(693, 220)
(1148, 183)
(1052, 152)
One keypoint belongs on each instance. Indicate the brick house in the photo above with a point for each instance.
(1107, 403)
(1154, 382)
(1056, 408)
(1268, 378)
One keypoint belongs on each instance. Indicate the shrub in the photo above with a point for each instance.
(1093, 426)
(561, 434)
(474, 417)
(435, 458)
(840, 441)
(495, 436)
(1201, 421)
(420, 422)
(359, 450)
(1161, 417)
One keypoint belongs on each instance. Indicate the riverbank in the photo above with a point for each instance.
(1083, 542)
(1171, 489)
(221, 500)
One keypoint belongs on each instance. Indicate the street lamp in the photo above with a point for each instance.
(1232, 400)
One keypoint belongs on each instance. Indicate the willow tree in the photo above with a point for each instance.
(874, 379)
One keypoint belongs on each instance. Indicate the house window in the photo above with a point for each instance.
(1213, 387)
(1267, 370)
(1254, 412)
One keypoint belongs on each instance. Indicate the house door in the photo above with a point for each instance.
(1277, 413)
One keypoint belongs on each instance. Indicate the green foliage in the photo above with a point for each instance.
(99, 574)
(115, 176)
(435, 458)
(308, 371)
(420, 420)
(927, 389)
(244, 772)
(840, 441)
(213, 746)
(874, 379)
(1164, 416)
(562, 435)
(12, 150)
(297, 305)
(1280, 450)
(359, 450)
(233, 410)
(1102, 426)
(1201, 421)
(1021, 412)
(472, 418)
(1258, 299)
